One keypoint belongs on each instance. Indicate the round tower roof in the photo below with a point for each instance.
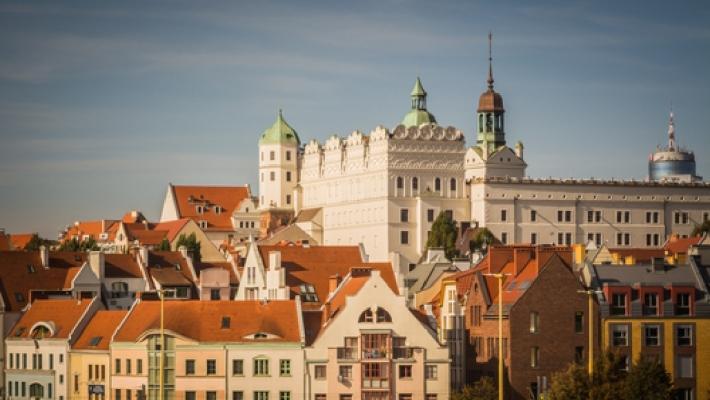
(490, 100)
(418, 117)
(280, 133)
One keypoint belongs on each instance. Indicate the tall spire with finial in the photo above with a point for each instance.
(671, 133)
(490, 61)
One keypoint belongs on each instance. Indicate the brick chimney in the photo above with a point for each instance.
(97, 264)
(521, 256)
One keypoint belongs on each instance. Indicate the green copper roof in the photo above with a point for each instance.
(418, 117)
(418, 89)
(280, 132)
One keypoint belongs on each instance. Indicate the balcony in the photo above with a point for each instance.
(347, 353)
(369, 354)
(403, 352)
(375, 383)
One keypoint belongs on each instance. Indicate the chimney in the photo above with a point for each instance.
(274, 260)
(44, 256)
(658, 264)
(97, 264)
(143, 253)
(333, 283)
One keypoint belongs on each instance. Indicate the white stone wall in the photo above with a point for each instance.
(277, 192)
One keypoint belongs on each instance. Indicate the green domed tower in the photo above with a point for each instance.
(418, 114)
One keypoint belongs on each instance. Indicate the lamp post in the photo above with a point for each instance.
(590, 296)
(161, 294)
(501, 278)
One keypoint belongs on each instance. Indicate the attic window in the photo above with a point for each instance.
(383, 315)
(19, 297)
(217, 210)
(31, 269)
(95, 341)
(203, 224)
(226, 322)
(200, 209)
(308, 292)
(41, 332)
(366, 316)
(260, 335)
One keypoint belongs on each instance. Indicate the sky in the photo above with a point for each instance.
(102, 104)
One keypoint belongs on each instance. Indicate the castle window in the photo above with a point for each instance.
(272, 176)
(415, 183)
(288, 199)
(288, 156)
(404, 237)
(404, 215)
(288, 176)
(437, 185)
(400, 182)
(272, 155)
(533, 215)
(453, 184)
(503, 215)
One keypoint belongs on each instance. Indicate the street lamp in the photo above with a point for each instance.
(501, 278)
(161, 294)
(590, 295)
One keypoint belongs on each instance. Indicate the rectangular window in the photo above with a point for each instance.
(568, 238)
(430, 215)
(534, 322)
(128, 366)
(190, 395)
(620, 335)
(533, 238)
(534, 356)
(682, 304)
(288, 176)
(139, 366)
(288, 199)
(405, 371)
(405, 396)
(117, 367)
(91, 372)
(237, 367)
(431, 372)
(261, 395)
(237, 395)
(345, 372)
(261, 367)
(189, 367)
(272, 176)
(211, 395)
(285, 367)
(503, 215)
(560, 216)
(652, 335)
(320, 371)
(404, 215)
(618, 304)
(117, 394)
(404, 237)
(684, 366)
(579, 354)
(568, 216)
(533, 215)
(272, 155)
(103, 370)
(288, 155)
(504, 237)
(684, 335)
(650, 304)
(211, 367)
(579, 322)
(285, 395)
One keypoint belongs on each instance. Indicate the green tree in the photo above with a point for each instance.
(164, 245)
(609, 375)
(702, 228)
(484, 389)
(571, 384)
(443, 235)
(75, 245)
(648, 380)
(483, 236)
(36, 242)
(191, 244)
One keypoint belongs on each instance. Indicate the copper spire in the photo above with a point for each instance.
(490, 62)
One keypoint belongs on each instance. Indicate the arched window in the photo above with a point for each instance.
(452, 185)
(36, 391)
(366, 316)
(41, 332)
(437, 185)
(400, 182)
(415, 183)
(383, 315)
(480, 122)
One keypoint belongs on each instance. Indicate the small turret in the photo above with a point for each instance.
(278, 165)
(418, 114)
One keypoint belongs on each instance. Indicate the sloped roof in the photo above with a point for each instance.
(146, 236)
(61, 314)
(676, 245)
(202, 320)
(227, 198)
(640, 255)
(225, 265)
(97, 333)
(315, 264)
(22, 272)
(20, 240)
(5, 242)
(288, 234)
(169, 268)
(93, 229)
(172, 228)
(121, 266)
(424, 275)
(280, 132)
(307, 214)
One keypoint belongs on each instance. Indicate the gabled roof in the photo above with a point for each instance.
(424, 275)
(202, 321)
(97, 333)
(288, 234)
(61, 315)
(121, 266)
(144, 235)
(315, 264)
(172, 228)
(20, 240)
(22, 272)
(227, 198)
(679, 245)
(92, 228)
(169, 268)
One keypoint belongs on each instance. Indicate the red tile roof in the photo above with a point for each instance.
(678, 245)
(22, 272)
(132, 217)
(315, 264)
(169, 268)
(5, 243)
(172, 228)
(20, 240)
(121, 266)
(97, 333)
(227, 198)
(202, 320)
(61, 315)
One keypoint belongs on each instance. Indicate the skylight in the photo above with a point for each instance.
(308, 292)
(95, 341)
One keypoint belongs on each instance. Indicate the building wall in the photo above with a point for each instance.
(55, 365)
(78, 377)
(275, 382)
(273, 193)
(208, 249)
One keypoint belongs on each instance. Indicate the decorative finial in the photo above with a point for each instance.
(671, 132)
(490, 61)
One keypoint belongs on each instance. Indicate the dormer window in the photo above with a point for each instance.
(217, 210)
(618, 304)
(682, 303)
(200, 209)
(650, 304)
(366, 316)
(226, 322)
(383, 315)
(203, 224)
(308, 293)
(260, 335)
(41, 332)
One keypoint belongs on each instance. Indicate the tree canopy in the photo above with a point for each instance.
(191, 244)
(443, 235)
(484, 389)
(76, 245)
(701, 228)
(36, 242)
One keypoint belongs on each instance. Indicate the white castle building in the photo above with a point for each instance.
(385, 189)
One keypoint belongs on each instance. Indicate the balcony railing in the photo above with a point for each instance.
(375, 383)
(347, 353)
(374, 353)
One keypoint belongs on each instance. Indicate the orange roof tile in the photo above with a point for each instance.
(20, 240)
(640, 255)
(98, 332)
(172, 228)
(5, 243)
(202, 320)
(169, 268)
(92, 228)
(315, 264)
(61, 314)
(227, 198)
(22, 272)
(679, 245)
(146, 237)
(132, 217)
(121, 266)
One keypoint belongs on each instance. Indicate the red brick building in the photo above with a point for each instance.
(545, 321)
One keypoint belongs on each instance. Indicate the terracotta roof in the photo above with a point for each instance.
(121, 266)
(315, 264)
(20, 240)
(133, 217)
(490, 100)
(202, 320)
(5, 243)
(227, 198)
(22, 272)
(172, 228)
(639, 255)
(680, 245)
(145, 236)
(97, 333)
(61, 314)
(92, 228)
(464, 280)
(169, 268)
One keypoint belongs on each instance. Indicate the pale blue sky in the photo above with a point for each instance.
(102, 104)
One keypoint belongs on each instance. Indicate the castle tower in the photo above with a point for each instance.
(491, 126)
(672, 163)
(278, 165)
(418, 114)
